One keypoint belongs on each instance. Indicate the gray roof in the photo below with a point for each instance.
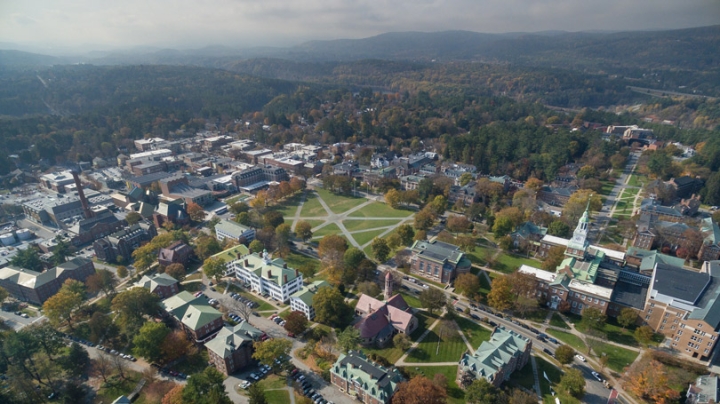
(680, 283)
(437, 251)
(709, 304)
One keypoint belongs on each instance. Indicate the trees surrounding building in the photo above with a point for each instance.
(419, 390)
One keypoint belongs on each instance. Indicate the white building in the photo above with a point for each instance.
(153, 154)
(233, 230)
(302, 300)
(268, 277)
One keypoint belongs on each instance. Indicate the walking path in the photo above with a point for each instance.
(401, 361)
(536, 377)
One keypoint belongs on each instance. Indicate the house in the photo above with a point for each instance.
(439, 261)
(176, 253)
(124, 242)
(171, 212)
(705, 390)
(232, 348)
(528, 236)
(36, 287)
(268, 277)
(495, 360)
(358, 377)
(686, 186)
(467, 194)
(555, 196)
(162, 285)
(230, 255)
(684, 306)
(234, 231)
(197, 318)
(381, 320)
(302, 300)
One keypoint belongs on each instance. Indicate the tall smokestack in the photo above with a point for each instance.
(86, 208)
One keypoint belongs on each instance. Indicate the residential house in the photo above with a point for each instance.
(162, 285)
(495, 360)
(197, 318)
(439, 261)
(172, 212)
(269, 277)
(358, 377)
(466, 194)
(302, 300)
(528, 236)
(176, 253)
(232, 348)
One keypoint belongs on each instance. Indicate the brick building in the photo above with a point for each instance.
(197, 318)
(438, 261)
(495, 360)
(176, 253)
(36, 287)
(162, 285)
(232, 348)
(124, 242)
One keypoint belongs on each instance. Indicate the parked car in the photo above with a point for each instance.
(549, 352)
(581, 358)
(553, 340)
(596, 375)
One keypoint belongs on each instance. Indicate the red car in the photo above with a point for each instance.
(291, 335)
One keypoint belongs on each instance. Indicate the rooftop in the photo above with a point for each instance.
(679, 283)
(374, 379)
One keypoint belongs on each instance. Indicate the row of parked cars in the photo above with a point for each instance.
(116, 353)
(277, 320)
(166, 371)
(415, 281)
(304, 384)
(249, 303)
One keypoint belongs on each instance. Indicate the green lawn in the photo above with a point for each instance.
(618, 358)
(312, 206)
(277, 396)
(273, 382)
(607, 187)
(480, 254)
(314, 223)
(295, 260)
(637, 180)
(377, 209)
(455, 394)
(116, 387)
(475, 333)
(331, 228)
(288, 207)
(570, 339)
(411, 300)
(390, 353)
(367, 236)
(425, 320)
(339, 203)
(557, 321)
(450, 348)
(538, 315)
(509, 263)
(360, 224)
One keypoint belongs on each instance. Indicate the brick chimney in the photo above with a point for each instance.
(285, 278)
(87, 212)
(247, 264)
(269, 275)
(285, 265)
(297, 273)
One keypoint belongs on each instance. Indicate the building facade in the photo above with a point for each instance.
(302, 300)
(268, 277)
(438, 261)
(365, 381)
(176, 253)
(162, 285)
(495, 360)
(234, 231)
(232, 348)
(194, 315)
(36, 287)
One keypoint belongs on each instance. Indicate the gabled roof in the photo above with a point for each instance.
(153, 281)
(395, 313)
(192, 311)
(232, 254)
(232, 228)
(306, 293)
(374, 379)
(492, 355)
(274, 271)
(230, 338)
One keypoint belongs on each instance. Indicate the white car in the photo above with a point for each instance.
(597, 376)
(581, 358)
(425, 286)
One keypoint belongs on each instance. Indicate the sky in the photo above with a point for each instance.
(184, 24)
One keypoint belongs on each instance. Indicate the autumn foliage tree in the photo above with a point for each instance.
(196, 212)
(648, 379)
(467, 284)
(419, 390)
(296, 322)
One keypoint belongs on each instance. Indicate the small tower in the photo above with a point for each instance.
(388, 285)
(578, 243)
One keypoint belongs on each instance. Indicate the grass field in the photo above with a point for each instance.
(314, 223)
(425, 320)
(355, 225)
(450, 348)
(607, 187)
(295, 260)
(288, 207)
(475, 333)
(509, 263)
(339, 203)
(570, 339)
(411, 300)
(277, 396)
(378, 209)
(480, 255)
(455, 394)
(331, 228)
(618, 358)
(484, 285)
(366, 236)
(312, 206)
(557, 321)
(390, 353)
(637, 180)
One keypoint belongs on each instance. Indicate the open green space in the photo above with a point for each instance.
(314, 223)
(272, 382)
(339, 203)
(295, 260)
(377, 209)
(509, 263)
(312, 206)
(288, 207)
(475, 333)
(537, 316)
(367, 236)
(411, 299)
(618, 358)
(390, 353)
(455, 394)
(331, 228)
(425, 320)
(480, 255)
(557, 321)
(607, 187)
(638, 180)
(277, 396)
(237, 198)
(433, 348)
(116, 387)
(355, 225)
(570, 339)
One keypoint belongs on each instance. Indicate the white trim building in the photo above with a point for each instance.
(268, 277)
(229, 229)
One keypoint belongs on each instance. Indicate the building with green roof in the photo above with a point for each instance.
(302, 300)
(357, 376)
(162, 285)
(235, 231)
(194, 315)
(232, 347)
(230, 255)
(495, 360)
(266, 276)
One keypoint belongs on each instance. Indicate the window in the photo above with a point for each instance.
(677, 338)
(662, 327)
(561, 293)
(650, 311)
(707, 351)
(580, 306)
(652, 304)
(682, 325)
(712, 338)
(595, 301)
(699, 325)
(666, 314)
(664, 321)
(574, 304)
(583, 297)
(602, 303)
(680, 332)
(710, 343)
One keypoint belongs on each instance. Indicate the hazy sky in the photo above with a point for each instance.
(197, 23)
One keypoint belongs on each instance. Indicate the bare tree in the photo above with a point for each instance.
(237, 307)
(103, 365)
(120, 364)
